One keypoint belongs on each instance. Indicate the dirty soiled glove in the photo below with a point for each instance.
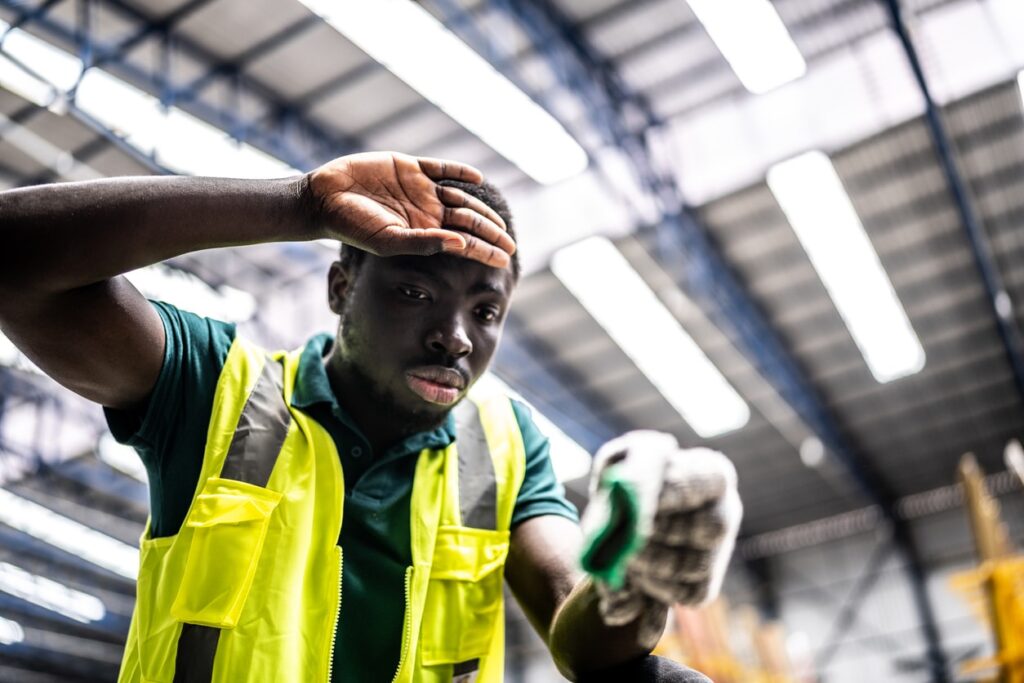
(687, 515)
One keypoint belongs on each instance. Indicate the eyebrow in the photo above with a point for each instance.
(478, 288)
(486, 288)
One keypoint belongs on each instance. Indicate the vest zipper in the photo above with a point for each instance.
(337, 615)
(406, 626)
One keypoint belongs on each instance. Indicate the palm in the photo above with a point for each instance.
(391, 204)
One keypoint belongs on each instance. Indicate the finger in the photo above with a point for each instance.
(399, 240)
(672, 564)
(445, 169)
(474, 223)
(478, 250)
(453, 196)
(702, 528)
(694, 477)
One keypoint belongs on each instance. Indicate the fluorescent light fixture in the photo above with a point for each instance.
(812, 196)
(122, 458)
(59, 68)
(753, 39)
(187, 291)
(68, 535)
(603, 281)
(11, 632)
(569, 459)
(418, 49)
(50, 594)
(24, 84)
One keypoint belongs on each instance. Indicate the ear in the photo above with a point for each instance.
(339, 285)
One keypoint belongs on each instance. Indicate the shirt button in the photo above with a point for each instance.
(356, 452)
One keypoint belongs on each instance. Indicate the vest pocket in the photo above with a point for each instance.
(464, 596)
(229, 522)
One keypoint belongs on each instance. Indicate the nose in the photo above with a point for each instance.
(449, 337)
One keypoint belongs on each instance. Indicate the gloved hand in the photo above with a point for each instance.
(688, 512)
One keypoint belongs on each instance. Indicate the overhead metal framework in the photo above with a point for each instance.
(684, 246)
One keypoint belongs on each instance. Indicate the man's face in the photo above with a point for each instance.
(419, 330)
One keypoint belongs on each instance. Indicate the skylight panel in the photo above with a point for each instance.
(810, 193)
(418, 49)
(615, 295)
(753, 39)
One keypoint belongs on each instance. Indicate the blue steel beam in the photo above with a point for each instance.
(237, 64)
(1009, 333)
(684, 245)
(280, 136)
(161, 26)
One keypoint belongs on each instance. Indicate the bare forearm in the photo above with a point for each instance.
(60, 237)
(580, 641)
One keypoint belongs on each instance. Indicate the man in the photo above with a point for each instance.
(257, 537)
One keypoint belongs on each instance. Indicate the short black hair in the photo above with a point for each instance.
(485, 192)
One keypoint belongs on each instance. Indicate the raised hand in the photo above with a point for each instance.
(390, 204)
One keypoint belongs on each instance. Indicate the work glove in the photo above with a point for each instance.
(683, 510)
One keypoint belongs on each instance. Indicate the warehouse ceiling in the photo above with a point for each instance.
(298, 92)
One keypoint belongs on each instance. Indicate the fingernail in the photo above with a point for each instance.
(454, 244)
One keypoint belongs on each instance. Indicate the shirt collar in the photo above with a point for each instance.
(312, 387)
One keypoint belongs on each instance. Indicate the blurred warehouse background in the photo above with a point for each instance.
(790, 230)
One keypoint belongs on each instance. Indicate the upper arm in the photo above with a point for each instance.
(103, 341)
(542, 566)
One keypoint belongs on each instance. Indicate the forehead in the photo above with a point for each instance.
(449, 271)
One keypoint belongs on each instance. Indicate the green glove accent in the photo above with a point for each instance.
(607, 552)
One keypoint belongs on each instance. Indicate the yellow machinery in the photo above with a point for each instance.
(996, 588)
(744, 651)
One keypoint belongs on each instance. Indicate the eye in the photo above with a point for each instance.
(413, 293)
(488, 314)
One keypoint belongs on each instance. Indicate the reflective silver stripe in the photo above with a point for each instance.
(259, 436)
(478, 486)
(262, 428)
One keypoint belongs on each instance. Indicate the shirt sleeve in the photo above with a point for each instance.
(169, 430)
(541, 493)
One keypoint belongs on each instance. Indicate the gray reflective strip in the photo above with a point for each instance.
(197, 647)
(262, 428)
(259, 436)
(463, 671)
(478, 487)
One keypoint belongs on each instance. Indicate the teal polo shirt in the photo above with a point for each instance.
(169, 433)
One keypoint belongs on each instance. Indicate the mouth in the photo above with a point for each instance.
(436, 384)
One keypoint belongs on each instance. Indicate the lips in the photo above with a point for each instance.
(436, 384)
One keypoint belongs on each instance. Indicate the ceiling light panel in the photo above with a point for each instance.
(418, 49)
(753, 39)
(615, 295)
(812, 196)
(68, 535)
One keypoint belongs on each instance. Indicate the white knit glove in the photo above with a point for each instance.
(689, 514)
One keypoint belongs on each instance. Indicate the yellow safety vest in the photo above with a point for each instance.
(250, 588)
